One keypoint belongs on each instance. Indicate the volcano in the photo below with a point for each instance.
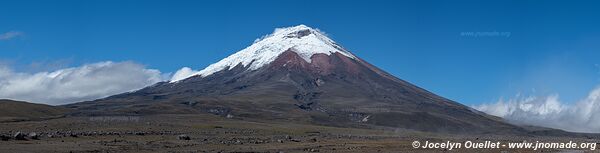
(298, 74)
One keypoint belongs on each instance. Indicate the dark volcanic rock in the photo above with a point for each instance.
(34, 136)
(183, 137)
(4, 137)
(19, 136)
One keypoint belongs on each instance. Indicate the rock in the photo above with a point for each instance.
(183, 137)
(139, 133)
(19, 136)
(319, 82)
(280, 141)
(34, 136)
(4, 138)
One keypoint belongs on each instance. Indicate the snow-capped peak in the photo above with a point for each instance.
(303, 40)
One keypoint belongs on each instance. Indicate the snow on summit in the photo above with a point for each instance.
(303, 40)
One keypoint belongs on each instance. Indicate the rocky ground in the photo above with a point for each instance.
(209, 133)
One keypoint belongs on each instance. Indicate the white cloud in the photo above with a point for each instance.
(183, 73)
(87, 82)
(582, 116)
(10, 35)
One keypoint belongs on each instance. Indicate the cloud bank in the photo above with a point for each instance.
(549, 111)
(183, 73)
(86, 82)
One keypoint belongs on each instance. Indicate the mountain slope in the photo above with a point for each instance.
(21, 111)
(298, 74)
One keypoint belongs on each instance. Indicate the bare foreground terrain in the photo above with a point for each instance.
(210, 133)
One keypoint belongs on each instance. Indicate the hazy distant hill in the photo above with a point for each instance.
(11, 110)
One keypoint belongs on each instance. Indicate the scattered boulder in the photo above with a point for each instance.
(19, 136)
(34, 136)
(139, 133)
(4, 137)
(319, 82)
(183, 137)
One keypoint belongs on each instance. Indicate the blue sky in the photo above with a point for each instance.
(552, 47)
